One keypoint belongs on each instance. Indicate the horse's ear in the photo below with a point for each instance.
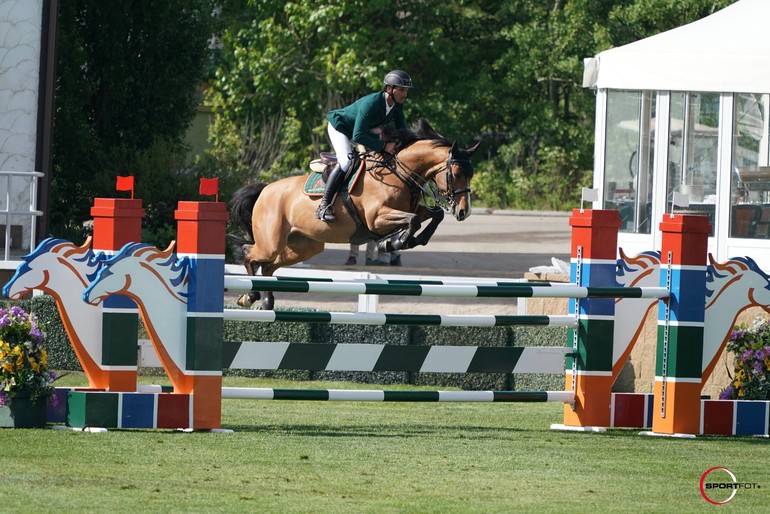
(169, 250)
(474, 147)
(87, 243)
(453, 150)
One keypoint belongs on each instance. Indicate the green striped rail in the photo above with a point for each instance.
(438, 288)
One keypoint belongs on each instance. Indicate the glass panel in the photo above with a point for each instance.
(750, 179)
(628, 157)
(693, 152)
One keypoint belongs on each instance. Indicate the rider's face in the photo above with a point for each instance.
(399, 94)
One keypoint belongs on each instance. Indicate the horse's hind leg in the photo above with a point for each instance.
(247, 300)
(297, 250)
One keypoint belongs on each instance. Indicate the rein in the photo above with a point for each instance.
(444, 199)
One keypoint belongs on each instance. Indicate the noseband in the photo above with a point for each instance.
(467, 167)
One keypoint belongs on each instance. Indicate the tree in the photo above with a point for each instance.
(294, 61)
(126, 91)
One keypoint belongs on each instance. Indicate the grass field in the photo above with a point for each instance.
(372, 457)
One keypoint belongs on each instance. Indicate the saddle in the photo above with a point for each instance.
(320, 168)
(314, 187)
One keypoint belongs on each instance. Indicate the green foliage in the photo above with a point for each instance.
(557, 187)
(508, 74)
(127, 74)
(644, 18)
(60, 352)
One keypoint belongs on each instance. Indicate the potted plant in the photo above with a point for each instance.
(751, 349)
(26, 384)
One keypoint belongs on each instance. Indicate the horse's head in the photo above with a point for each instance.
(746, 283)
(48, 262)
(455, 182)
(134, 270)
(640, 270)
(429, 158)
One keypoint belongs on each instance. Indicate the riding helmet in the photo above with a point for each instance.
(397, 78)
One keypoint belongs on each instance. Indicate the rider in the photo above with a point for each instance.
(359, 122)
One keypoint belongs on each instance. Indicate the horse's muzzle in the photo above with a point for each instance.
(461, 210)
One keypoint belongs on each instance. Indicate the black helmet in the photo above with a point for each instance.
(397, 78)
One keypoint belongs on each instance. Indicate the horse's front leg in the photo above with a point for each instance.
(392, 221)
(435, 216)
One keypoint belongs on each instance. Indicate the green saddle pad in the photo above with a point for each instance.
(314, 185)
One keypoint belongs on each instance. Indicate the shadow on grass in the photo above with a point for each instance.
(383, 431)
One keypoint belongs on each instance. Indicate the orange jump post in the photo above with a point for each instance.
(679, 353)
(201, 238)
(117, 221)
(593, 264)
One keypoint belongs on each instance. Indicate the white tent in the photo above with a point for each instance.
(726, 51)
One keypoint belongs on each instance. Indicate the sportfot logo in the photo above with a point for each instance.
(718, 485)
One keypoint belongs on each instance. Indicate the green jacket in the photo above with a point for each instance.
(358, 119)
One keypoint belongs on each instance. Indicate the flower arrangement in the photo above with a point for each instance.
(23, 360)
(751, 347)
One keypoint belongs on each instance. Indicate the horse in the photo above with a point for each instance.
(385, 206)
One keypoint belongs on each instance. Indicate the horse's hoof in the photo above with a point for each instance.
(267, 304)
(244, 301)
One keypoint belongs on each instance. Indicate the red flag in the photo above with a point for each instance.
(210, 186)
(126, 184)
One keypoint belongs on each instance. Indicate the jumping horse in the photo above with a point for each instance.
(426, 176)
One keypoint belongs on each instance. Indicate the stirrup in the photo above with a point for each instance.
(325, 213)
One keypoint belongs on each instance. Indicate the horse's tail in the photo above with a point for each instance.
(242, 204)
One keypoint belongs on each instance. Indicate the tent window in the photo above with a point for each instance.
(750, 179)
(629, 157)
(693, 151)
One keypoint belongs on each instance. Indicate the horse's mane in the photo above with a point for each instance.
(419, 131)
(719, 273)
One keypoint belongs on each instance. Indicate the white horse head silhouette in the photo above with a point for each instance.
(731, 287)
(642, 270)
(157, 282)
(63, 270)
(52, 263)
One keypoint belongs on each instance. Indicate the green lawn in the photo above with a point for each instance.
(371, 457)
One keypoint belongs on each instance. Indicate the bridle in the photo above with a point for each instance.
(444, 199)
(467, 168)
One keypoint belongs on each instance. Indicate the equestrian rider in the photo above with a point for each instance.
(360, 122)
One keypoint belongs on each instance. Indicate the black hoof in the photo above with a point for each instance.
(267, 304)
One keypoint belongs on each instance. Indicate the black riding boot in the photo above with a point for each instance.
(325, 211)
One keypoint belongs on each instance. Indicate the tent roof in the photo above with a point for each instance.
(728, 51)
